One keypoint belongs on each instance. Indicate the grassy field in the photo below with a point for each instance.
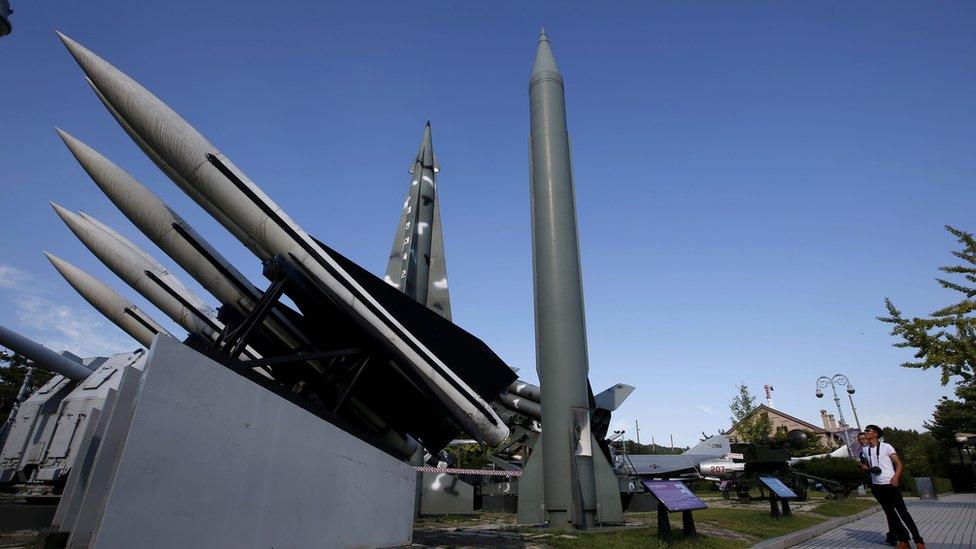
(844, 507)
(638, 537)
(719, 526)
(755, 522)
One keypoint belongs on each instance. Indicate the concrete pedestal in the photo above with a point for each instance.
(212, 459)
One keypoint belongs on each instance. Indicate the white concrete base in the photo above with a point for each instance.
(212, 459)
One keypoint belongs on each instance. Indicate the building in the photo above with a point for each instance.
(830, 434)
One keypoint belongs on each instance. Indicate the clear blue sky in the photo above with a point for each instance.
(752, 178)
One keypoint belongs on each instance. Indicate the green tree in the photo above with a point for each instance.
(750, 425)
(13, 368)
(921, 452)
(946, 339)
(954, 416)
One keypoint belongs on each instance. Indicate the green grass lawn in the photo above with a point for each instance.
(844, 507)
(638, 537)
(755, 522)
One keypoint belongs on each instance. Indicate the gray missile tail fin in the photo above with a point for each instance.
(438, 295)
(612, 398)
(122, 312)
(42, 356)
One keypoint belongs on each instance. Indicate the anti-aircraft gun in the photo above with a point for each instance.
(42, 442)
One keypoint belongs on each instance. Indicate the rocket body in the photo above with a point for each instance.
(561, 354)
(178, 239)
(122, 312)
(148, 277)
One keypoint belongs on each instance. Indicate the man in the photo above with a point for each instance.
(886, 470)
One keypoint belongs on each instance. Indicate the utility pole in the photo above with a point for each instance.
(637, 430)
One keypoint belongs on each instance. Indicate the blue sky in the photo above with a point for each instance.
(752, 179)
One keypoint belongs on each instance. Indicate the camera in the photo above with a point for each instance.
(875, 470)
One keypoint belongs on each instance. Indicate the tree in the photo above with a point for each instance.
(946, 339)
(921, 452)
(750, 426)
(954, 416)
(13, 368)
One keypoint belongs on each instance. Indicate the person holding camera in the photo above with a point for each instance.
(886, 469)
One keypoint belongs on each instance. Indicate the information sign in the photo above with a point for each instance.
(776, 485)
(674, 495)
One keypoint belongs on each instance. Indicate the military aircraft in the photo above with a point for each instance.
(711, 459)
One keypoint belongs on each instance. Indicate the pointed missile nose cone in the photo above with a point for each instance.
(545, 63)
(73, 220)
(425, 155)
(59, 264)
(168, 139)
(91, 161)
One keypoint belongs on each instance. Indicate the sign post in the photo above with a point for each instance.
(674, 496)
(778, 492)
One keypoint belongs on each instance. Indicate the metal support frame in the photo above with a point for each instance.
(236, 340)
(352, 382)
(774, 505)
(664, 531)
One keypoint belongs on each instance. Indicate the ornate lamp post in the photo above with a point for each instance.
(833, 382)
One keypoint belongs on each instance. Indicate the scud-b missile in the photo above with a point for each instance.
(430, 354)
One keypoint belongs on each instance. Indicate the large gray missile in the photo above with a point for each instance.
(148, 277)
(417, 265)
(42, 356)
(178, 239)
(215, 183)
(561, 355)
(122, 312)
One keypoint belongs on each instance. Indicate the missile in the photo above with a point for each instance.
(521, 405)
(122, 312)
(417, 265)
(214, 182)
(525, 389)
(42, 356)
(561, 355)
(177, 239)
(148, 277)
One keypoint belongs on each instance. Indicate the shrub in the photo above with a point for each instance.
(843, 471)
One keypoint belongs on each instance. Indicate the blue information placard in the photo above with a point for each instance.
(674, 495)
(776, 485)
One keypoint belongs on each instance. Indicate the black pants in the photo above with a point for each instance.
(893, 505)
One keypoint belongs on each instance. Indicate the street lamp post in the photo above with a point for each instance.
(840, 379)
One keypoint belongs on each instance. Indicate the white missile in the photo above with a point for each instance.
(208, 177)
(177, 239)
(148, 277)
(122, 312)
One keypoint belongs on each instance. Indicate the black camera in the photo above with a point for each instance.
(875, 470)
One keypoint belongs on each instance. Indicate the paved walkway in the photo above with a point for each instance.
(948, 522)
